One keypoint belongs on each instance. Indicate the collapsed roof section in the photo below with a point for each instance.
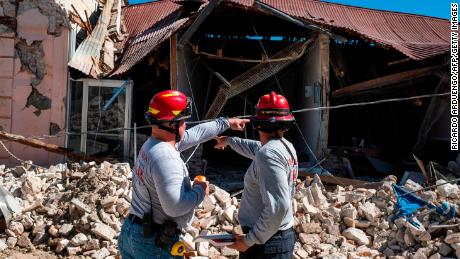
(148, 26)
(95, 56)
(417, 37)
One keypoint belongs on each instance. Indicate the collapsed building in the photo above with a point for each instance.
(225, 54)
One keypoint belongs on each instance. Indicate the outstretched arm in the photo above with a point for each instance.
(244, 147)
(202, 133)
(206, 131)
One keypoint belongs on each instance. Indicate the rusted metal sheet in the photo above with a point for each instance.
(148, 25)
(418, 37)
(386, 80)
(147, 42)
(141, 17)
(90, 48)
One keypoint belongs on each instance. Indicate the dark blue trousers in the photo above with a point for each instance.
(279, 246)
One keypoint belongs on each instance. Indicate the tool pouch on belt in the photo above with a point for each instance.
(166, 234)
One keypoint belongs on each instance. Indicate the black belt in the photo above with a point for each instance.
(138, 221)
(280, 232)
(135, 219)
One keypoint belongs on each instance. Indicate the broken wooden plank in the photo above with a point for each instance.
(339, 66)
(198, 21)
(335, 180)
(255, 75)
(325, 90)
(77, 19)
(386, 81)
(49, 147)
(361, 151)
(435, 110)
(85, 25)
(88, 23)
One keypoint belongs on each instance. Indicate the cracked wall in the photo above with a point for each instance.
(33, 74)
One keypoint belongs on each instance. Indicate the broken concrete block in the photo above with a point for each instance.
(3, 245)
(409, 239)
(188, 241)
(79, 239)
(53, 231)
(109, 201)
(207, 222)
(452, 238)
(31, 185)
(229, 252)
(202, 248)
(16, 227)
(11, 242)
(65, 229)
(357, 235)
(221, 195)
(348, 210)
(371, 212)
(309, 239)
(101, 253)
(229, 213)
(103, 231)
(311, 228)
(447, 190)
(24, 241)
(72, 250)
(80, 205)
(318, 196)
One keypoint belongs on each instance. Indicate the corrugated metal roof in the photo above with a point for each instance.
(148, 25)
(90, 48)
(141, 17)
(147, 42)
(416, 36)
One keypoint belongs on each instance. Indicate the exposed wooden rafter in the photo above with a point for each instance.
(49, 147)
(255, 75)
(386, 81)
(198, 21)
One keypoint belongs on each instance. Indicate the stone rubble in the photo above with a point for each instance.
(78, 210)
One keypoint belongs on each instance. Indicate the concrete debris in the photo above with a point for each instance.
(78, 210)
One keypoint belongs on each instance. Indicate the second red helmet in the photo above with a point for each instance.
(273, 108)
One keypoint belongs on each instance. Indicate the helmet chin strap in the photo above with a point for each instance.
(174, 130)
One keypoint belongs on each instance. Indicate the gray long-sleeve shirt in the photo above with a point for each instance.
(160, 168)
(266, 204)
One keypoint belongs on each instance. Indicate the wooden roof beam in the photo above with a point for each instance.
(386, 81)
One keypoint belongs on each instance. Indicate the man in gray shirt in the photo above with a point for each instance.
(162, 192)
(265, 212)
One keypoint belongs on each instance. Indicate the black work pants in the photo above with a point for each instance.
(279, 246)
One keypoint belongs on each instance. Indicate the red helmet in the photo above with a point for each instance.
(273, 108)
(169, 105)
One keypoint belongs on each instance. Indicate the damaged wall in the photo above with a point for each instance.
(33, 74)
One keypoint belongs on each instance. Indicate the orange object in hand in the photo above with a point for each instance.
(200, 178)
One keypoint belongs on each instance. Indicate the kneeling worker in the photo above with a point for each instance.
(163, 199)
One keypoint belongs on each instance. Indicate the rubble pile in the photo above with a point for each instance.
(346, 222)
(69, 211)
(79, 210)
